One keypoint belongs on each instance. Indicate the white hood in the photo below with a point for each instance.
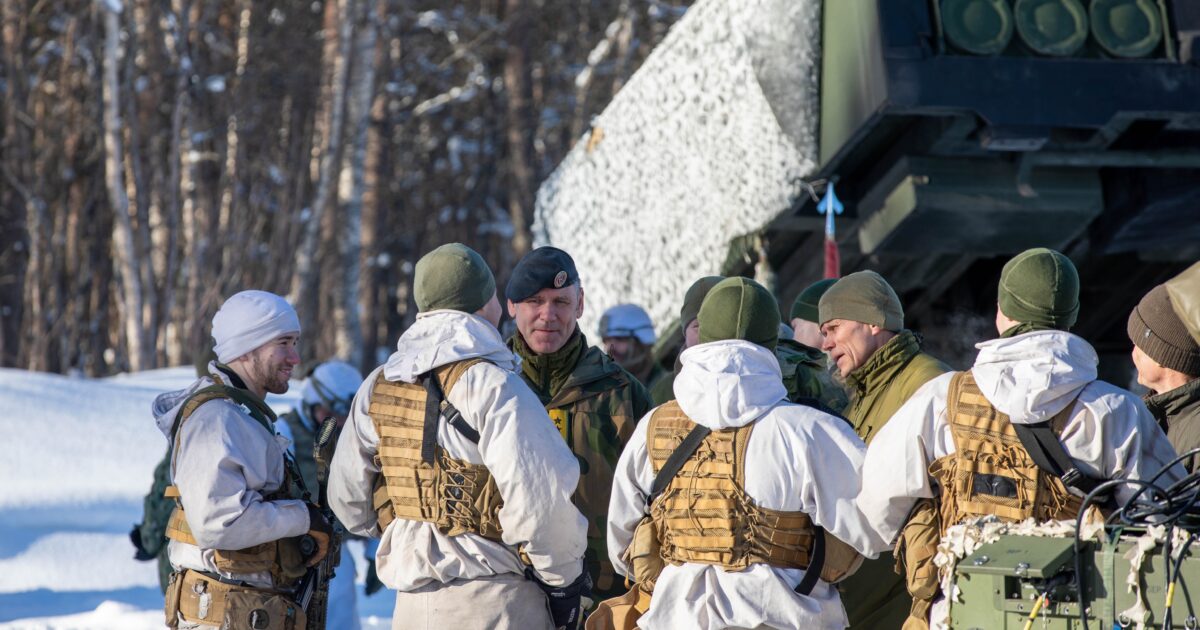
(441, 337)
(1033, 376)
(731, 383)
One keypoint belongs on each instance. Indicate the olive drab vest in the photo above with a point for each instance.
(281, 558)
(990, 472)
(457, 496)
(705, 516)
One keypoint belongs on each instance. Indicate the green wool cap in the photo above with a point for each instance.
(1040, 287)
(805, 306)
(695, 297)
(863, 296)
(453, 277)
(740, 308)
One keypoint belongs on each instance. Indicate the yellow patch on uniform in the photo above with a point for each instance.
(560, 417)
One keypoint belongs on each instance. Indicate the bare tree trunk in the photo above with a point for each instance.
(177, 48)
(522, 178)
(126, 253)
(227, 217)
(302, 291)
(362, 81)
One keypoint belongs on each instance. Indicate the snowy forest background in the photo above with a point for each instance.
(158, 155)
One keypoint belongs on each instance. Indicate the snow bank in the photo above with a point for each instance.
(706, 142)
(73, 441)
(107, 616)
(51, 562)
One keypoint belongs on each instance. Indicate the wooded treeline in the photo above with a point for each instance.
(158, 155)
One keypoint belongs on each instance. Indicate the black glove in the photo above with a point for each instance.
(564, 601)
(135, 536)
(319, 532)
(373, 584)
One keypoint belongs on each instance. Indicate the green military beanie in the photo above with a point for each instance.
(1040, 287)
(863, 296)
(805, 306)
(740, 308)
(695, 297)
(453, 277)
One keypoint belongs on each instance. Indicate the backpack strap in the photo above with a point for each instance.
(677, 459)
(816, 562)
(437, 382)
(1046, 450)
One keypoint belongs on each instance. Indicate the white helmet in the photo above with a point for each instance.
(627, 320)
(332, 384)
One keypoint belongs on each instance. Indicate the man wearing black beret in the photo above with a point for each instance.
(593, 402)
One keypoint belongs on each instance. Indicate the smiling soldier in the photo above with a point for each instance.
(235, 533)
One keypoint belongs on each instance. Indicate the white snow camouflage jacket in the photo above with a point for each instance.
(797, 459)
(525, 454)
(225, 462)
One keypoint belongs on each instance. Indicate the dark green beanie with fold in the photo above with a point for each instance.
(863, 296)
(1040, 287)
(453, 277)
(740, 308)
(695, 297)
(805, 306)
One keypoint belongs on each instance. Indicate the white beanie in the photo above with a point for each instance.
(627, 320)
(331, 381)
(250, 319)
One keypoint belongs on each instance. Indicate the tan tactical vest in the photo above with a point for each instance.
(281, 558)
(990, 472)
(458, 496)
(705, 516)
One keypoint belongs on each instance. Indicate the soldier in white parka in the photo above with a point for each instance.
(738, 525)
(236, 529)
(955, 440)
(451, 457)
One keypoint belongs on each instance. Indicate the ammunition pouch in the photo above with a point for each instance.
(644, 555)
(171, 602)
(206, 601)
(619, 613)
(841, 560)
(915, 548)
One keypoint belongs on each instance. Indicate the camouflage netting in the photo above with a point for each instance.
(708, 141)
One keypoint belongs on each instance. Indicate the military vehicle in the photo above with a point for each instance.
(961, 132)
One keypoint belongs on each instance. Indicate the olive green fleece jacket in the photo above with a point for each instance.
(876, 597)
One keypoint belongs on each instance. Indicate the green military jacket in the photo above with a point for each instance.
(1178, 411)
(879, 387)
(805, 375)
(876, 597)
(595, 404)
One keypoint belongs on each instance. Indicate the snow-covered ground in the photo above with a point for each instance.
(76, 458)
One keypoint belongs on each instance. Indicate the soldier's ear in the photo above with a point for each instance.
(579, 307)
(512, 309)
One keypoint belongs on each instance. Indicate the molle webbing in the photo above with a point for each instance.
(456, 495)
(705, 515)
(990, 472)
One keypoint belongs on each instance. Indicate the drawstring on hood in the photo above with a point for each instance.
(1032, 377)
